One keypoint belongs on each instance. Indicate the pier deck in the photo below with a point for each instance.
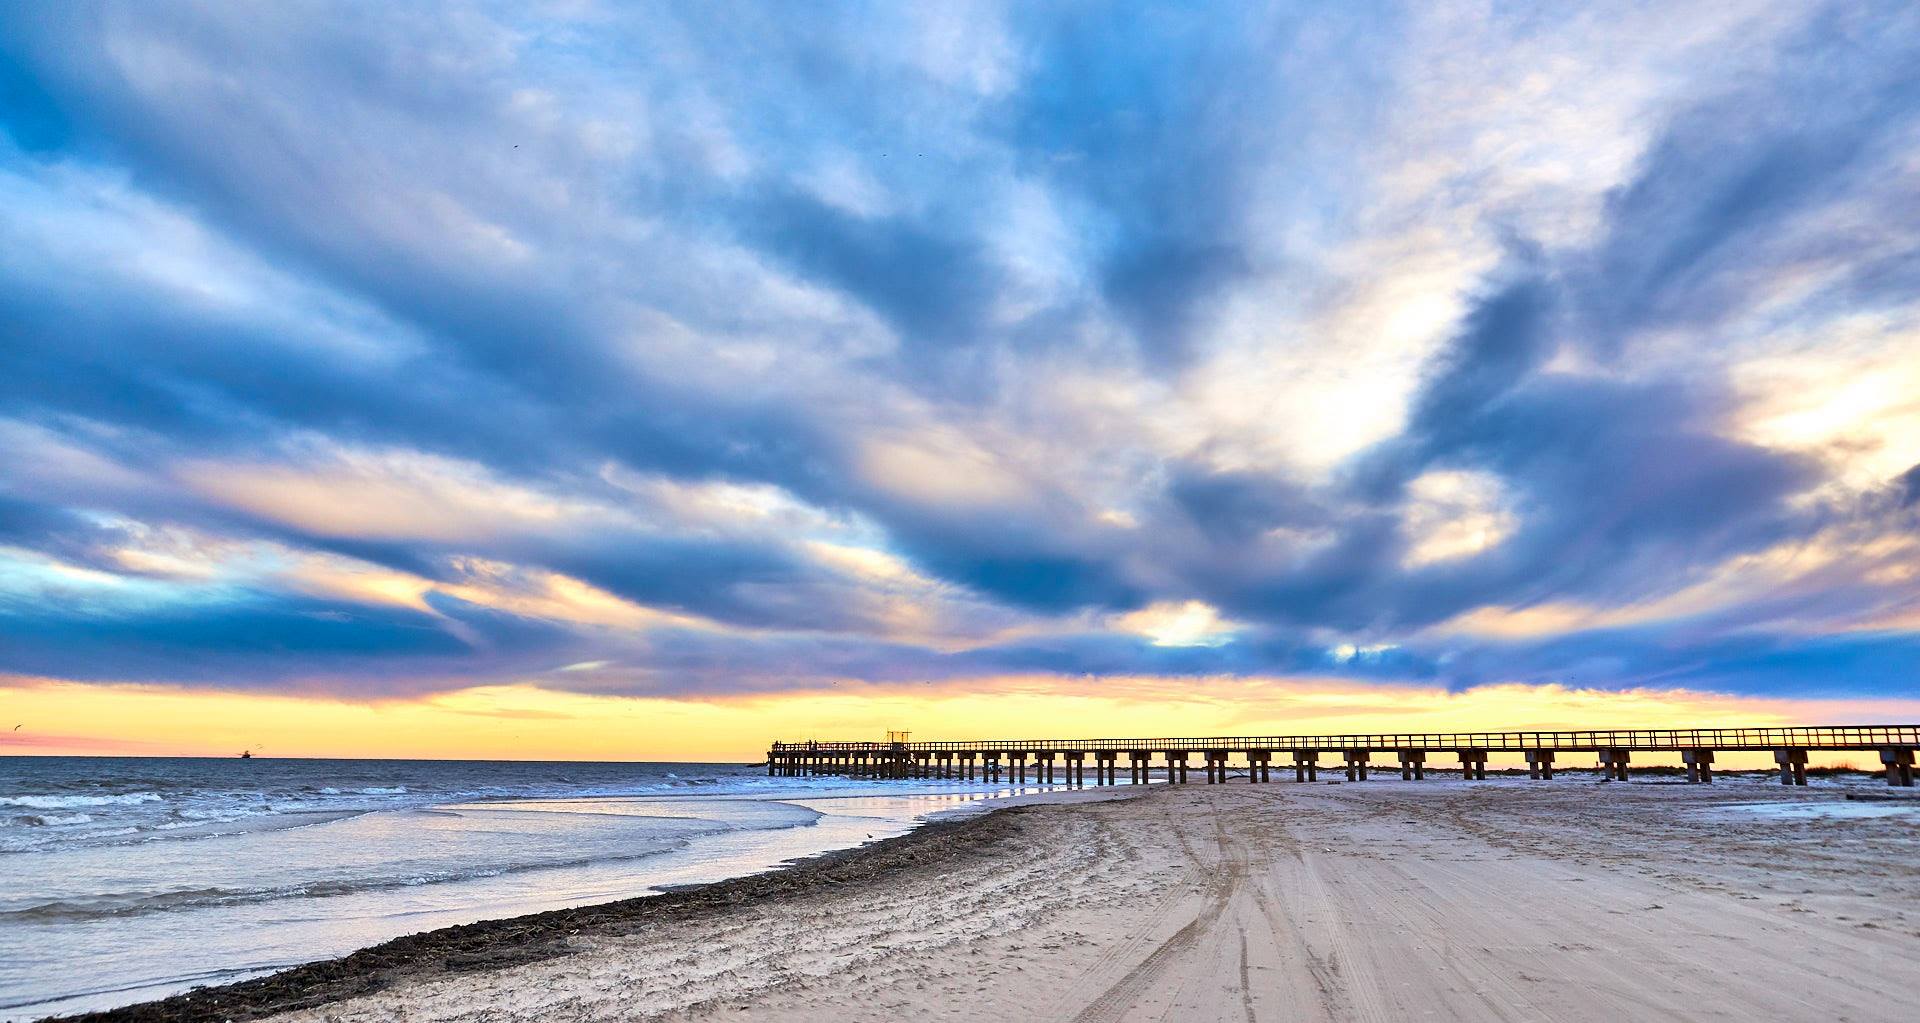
(1613, 749)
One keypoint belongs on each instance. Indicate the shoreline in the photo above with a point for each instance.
(1322, 901)
(529, 938)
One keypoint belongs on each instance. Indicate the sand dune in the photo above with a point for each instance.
(1568, 900)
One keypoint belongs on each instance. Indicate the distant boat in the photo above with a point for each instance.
(246, 754)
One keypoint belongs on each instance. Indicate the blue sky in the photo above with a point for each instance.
(716, 349)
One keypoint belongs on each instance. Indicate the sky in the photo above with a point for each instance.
(647, 380)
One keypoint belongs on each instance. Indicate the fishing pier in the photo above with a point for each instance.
(1010, 759)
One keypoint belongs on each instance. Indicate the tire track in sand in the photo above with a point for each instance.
(1121, 996)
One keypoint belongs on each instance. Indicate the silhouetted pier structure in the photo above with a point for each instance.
(993, 759)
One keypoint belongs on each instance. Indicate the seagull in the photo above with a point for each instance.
(17, 727)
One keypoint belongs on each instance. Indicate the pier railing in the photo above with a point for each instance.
(1810, 737)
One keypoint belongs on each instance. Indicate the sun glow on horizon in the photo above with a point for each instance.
(525, 723)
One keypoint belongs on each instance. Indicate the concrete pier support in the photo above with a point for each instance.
(1019, 767)
(1076, 767)
(1141, 762)
(1176, 767)
(1699, 766)
(1898, 760)
(1473, 764)
(1259, 765)
(1540, 764)
(1793, 765)
(1043, 768)
(1306, 765)
(1613, 764)
(1413, 765)
(1357, 763)
(1103, 772)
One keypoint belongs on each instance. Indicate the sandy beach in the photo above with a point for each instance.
(1504, 900)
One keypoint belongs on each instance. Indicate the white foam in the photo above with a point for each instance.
(71, 802)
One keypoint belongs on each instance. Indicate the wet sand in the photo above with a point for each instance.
(1385, 900)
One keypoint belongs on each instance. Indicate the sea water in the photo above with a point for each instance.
(125, 879)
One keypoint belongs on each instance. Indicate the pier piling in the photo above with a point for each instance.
(1540, 764)
(1306, 765)
(1793, 765)
(1699, 766)
(1357, 763)
(1898, 760)
(1413, 765)
(1473, 764)
(1613, 764)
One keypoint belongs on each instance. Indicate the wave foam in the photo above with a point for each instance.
(72, 802)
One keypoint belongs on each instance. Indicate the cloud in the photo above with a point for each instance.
(409, 352)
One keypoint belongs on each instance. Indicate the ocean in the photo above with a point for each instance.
(128, 879)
